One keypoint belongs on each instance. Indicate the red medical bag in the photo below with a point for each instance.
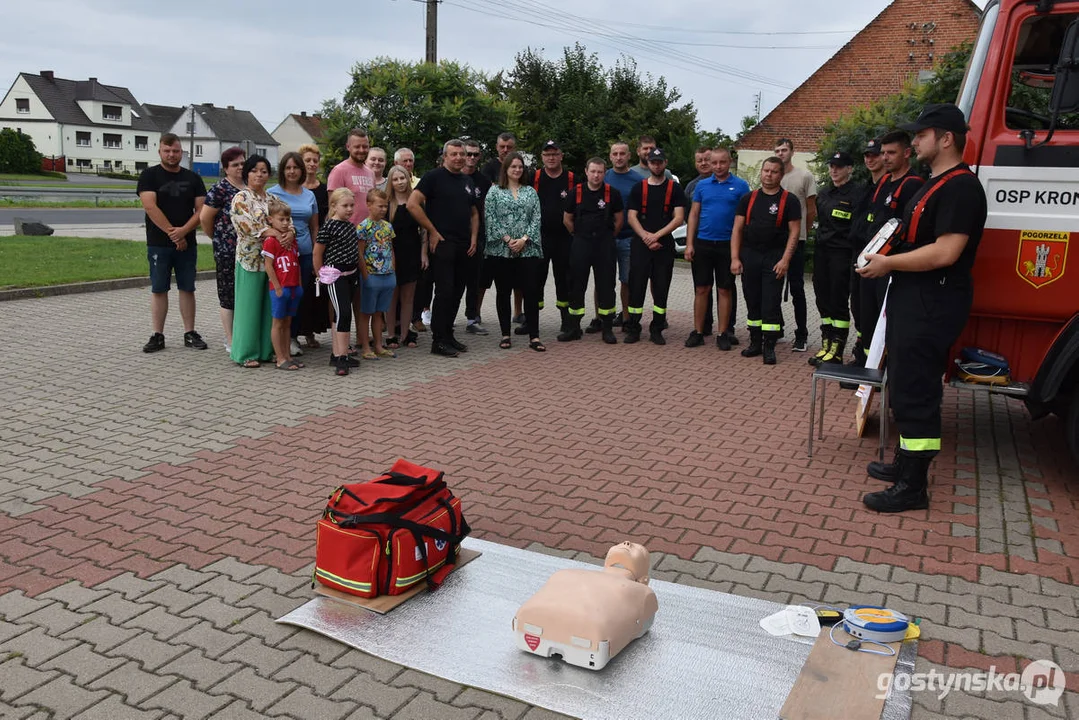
(383, 536)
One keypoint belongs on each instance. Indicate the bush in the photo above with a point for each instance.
(17, 153)
(53, 174)
(118, 175)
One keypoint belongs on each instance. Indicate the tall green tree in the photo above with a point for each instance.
(17, 153)
(585, 107)
(415, 105)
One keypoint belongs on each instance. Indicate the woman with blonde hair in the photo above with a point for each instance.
(410, 249)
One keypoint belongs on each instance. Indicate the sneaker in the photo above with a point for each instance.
(617, 322)
(522, 330)
(425, 317)
(443, 350)
(656, 336)
(294, 347)
(228, 349)
(594, 327)
(155, 343)
(476, 329)
(456, 344)
(695, 339)
(801, 344)
(341, 365)
(519, 319)
(191, 339)
(723, 342)
(351, 361)
(732, 337)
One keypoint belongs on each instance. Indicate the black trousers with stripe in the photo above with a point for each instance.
(597, 255)
(655, 266)
(831, 285)
(763, 291)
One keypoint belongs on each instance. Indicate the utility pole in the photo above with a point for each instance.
(757, 107)
(191, 149)
(432, 31)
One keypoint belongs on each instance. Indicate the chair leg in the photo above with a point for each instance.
(823, 402)
(812, 412)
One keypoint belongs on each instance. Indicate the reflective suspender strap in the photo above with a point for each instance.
(749, 208)
(644, 197)
(782, 208)
(919, 208)
(535, 180)
(579, 191)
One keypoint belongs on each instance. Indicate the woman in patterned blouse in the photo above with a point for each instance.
(216, 221)
(513, 249)
(251, 322)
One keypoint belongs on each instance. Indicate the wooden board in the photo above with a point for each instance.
(838, 683)
(874, 359)
(384, 603)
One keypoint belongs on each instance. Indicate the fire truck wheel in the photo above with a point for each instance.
(1071, 425)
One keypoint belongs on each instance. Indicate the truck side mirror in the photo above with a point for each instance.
(1065, 98)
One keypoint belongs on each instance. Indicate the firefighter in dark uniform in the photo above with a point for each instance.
(929, 301)
(888, 200)
(836, 205)
(767, 225)
(874, 163)
(656, 209)
(553, 184)
(593, 216)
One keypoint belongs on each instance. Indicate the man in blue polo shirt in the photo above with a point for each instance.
(708, 246)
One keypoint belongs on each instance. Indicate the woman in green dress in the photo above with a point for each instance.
(513, 249)
(251, 322)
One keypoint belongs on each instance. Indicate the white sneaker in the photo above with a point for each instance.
(294, 348)
(228, 348)
(425, 316)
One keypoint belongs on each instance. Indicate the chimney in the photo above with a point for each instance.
(93, 80)
(232, 107)
(47, 74)
(207, 104)
(303, 113)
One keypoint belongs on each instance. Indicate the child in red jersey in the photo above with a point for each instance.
(283, 269)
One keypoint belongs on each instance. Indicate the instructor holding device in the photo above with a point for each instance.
(929, 300)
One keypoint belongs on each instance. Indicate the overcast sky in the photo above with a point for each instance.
(274, 57)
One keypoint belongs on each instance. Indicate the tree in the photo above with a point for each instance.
(851, 131)
(17, 153)
(415, 105)
(586, 107)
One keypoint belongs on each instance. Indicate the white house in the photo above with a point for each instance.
(206, 131)
(83, 124)
(296, 130)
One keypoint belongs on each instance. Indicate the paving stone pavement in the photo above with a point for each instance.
(156, 512)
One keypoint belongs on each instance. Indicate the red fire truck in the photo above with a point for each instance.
(1021, 99)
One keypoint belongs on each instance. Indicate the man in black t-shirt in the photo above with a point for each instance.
(767, 224)
(929, 301)
(504, 145)
(172, 197)
(554, 184)
(657, 206)
(444, 204)
(478, 279)
(887, 200)
(593, 215)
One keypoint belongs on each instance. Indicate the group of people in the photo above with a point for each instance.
(304, 256)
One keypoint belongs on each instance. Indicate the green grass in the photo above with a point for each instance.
(33, 203)
(40, 261)
(5, 177)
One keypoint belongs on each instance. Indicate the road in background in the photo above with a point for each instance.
(73, 216)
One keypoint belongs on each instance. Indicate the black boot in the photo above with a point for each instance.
(608, 330)
(564, 312)
(835, 355)
(632, 329)
(825, 346)
(884, 471)
(572, 329)
(594, 327)
(656, 328)
(910, 489)
(857, 354)
(769, 351)
(755, 346)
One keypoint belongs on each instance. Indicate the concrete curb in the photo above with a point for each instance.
(86, 287)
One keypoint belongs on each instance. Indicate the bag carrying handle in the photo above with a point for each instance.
(391, 477)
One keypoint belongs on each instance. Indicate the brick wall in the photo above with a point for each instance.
(876, 62)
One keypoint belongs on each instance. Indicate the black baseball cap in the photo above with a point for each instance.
(872, 147)
(657, 155)
(550, 145)
(945, 116)
(841, 159)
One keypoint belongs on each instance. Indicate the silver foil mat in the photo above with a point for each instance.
(705, 657)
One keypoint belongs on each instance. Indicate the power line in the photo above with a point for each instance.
(668, 28)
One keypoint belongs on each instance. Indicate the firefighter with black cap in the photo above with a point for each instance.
(593, 215)
(929, 300)
(656, 209)
(836, 206)
(874, 163)
(553, 184)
